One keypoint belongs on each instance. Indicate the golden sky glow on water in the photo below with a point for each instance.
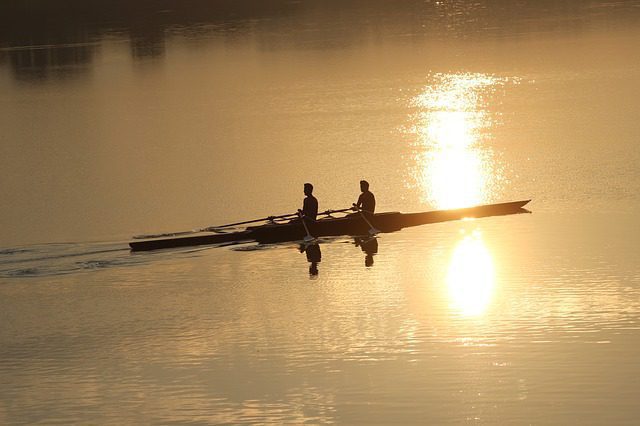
(455, 167)
(471, 276)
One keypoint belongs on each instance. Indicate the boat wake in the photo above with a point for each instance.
(70, 258)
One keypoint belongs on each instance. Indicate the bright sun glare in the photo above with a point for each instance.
(454, 169)
(471, 277)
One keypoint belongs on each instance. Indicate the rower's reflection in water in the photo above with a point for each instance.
(369, 245)
(314, 256)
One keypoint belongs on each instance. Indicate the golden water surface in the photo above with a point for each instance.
(122, 118)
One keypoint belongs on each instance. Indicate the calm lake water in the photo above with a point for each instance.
(121, 118)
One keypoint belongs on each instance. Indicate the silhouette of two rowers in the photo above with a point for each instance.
(366, 202)
(366, 205)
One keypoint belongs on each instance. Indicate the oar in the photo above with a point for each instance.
(271, 218)
(372, 231)
(330, 212)
(308, 238)
(215, 228)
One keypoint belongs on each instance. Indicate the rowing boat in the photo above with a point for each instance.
(352, 224)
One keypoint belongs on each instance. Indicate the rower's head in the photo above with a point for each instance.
(308, 189)
(364, 185)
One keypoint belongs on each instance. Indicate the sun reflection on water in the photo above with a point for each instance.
(455, 168)
(471, 276)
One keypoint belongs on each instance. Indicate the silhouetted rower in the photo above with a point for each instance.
(366, 200)
(310, 203)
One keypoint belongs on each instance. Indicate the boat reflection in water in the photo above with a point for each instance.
(369, 245)
(314, 256)
(471, 276)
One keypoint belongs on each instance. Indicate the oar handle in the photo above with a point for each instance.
(328, 212)
(356, 208)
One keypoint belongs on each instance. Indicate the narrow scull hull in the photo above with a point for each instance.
(348, 225)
